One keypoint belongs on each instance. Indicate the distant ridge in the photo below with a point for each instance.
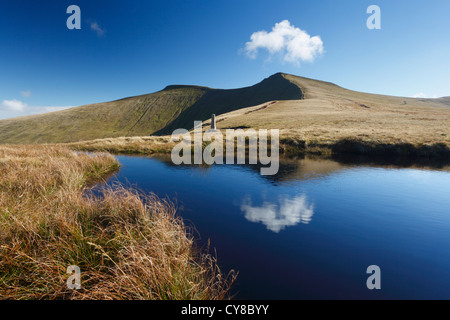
(178, 106)
(184, 86)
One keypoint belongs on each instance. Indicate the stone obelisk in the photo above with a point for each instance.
(213, 122)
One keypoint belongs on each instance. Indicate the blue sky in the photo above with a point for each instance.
(127, 48)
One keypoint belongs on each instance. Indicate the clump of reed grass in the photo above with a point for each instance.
(127, 245)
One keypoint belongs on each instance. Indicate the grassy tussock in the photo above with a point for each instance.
(127, 245)
(126, 145)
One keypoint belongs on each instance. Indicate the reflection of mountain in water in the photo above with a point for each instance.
(291, 169)
(306, 168)
(276, 217)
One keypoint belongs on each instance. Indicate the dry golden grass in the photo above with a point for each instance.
(133, 145)
(128, 246)
(330, 115)
(327, 122)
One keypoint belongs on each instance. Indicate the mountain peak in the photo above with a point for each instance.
(184, 86)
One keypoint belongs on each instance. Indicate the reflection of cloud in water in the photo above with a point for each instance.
(276, 217)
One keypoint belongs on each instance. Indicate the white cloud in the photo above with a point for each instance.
(424, 96)
(14, 105)
(52, 109)
(276, 217)
(16, 108)
(293, 43)
(96, 27)
(26, 94)
(419, 95)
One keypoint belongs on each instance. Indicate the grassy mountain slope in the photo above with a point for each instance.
(304, 109)
(141, 115)
(217, 101)
(329, 114)
(158, 113)
(316, 89)
(328, 119)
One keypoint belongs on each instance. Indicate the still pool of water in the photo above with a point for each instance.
(311, 231)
